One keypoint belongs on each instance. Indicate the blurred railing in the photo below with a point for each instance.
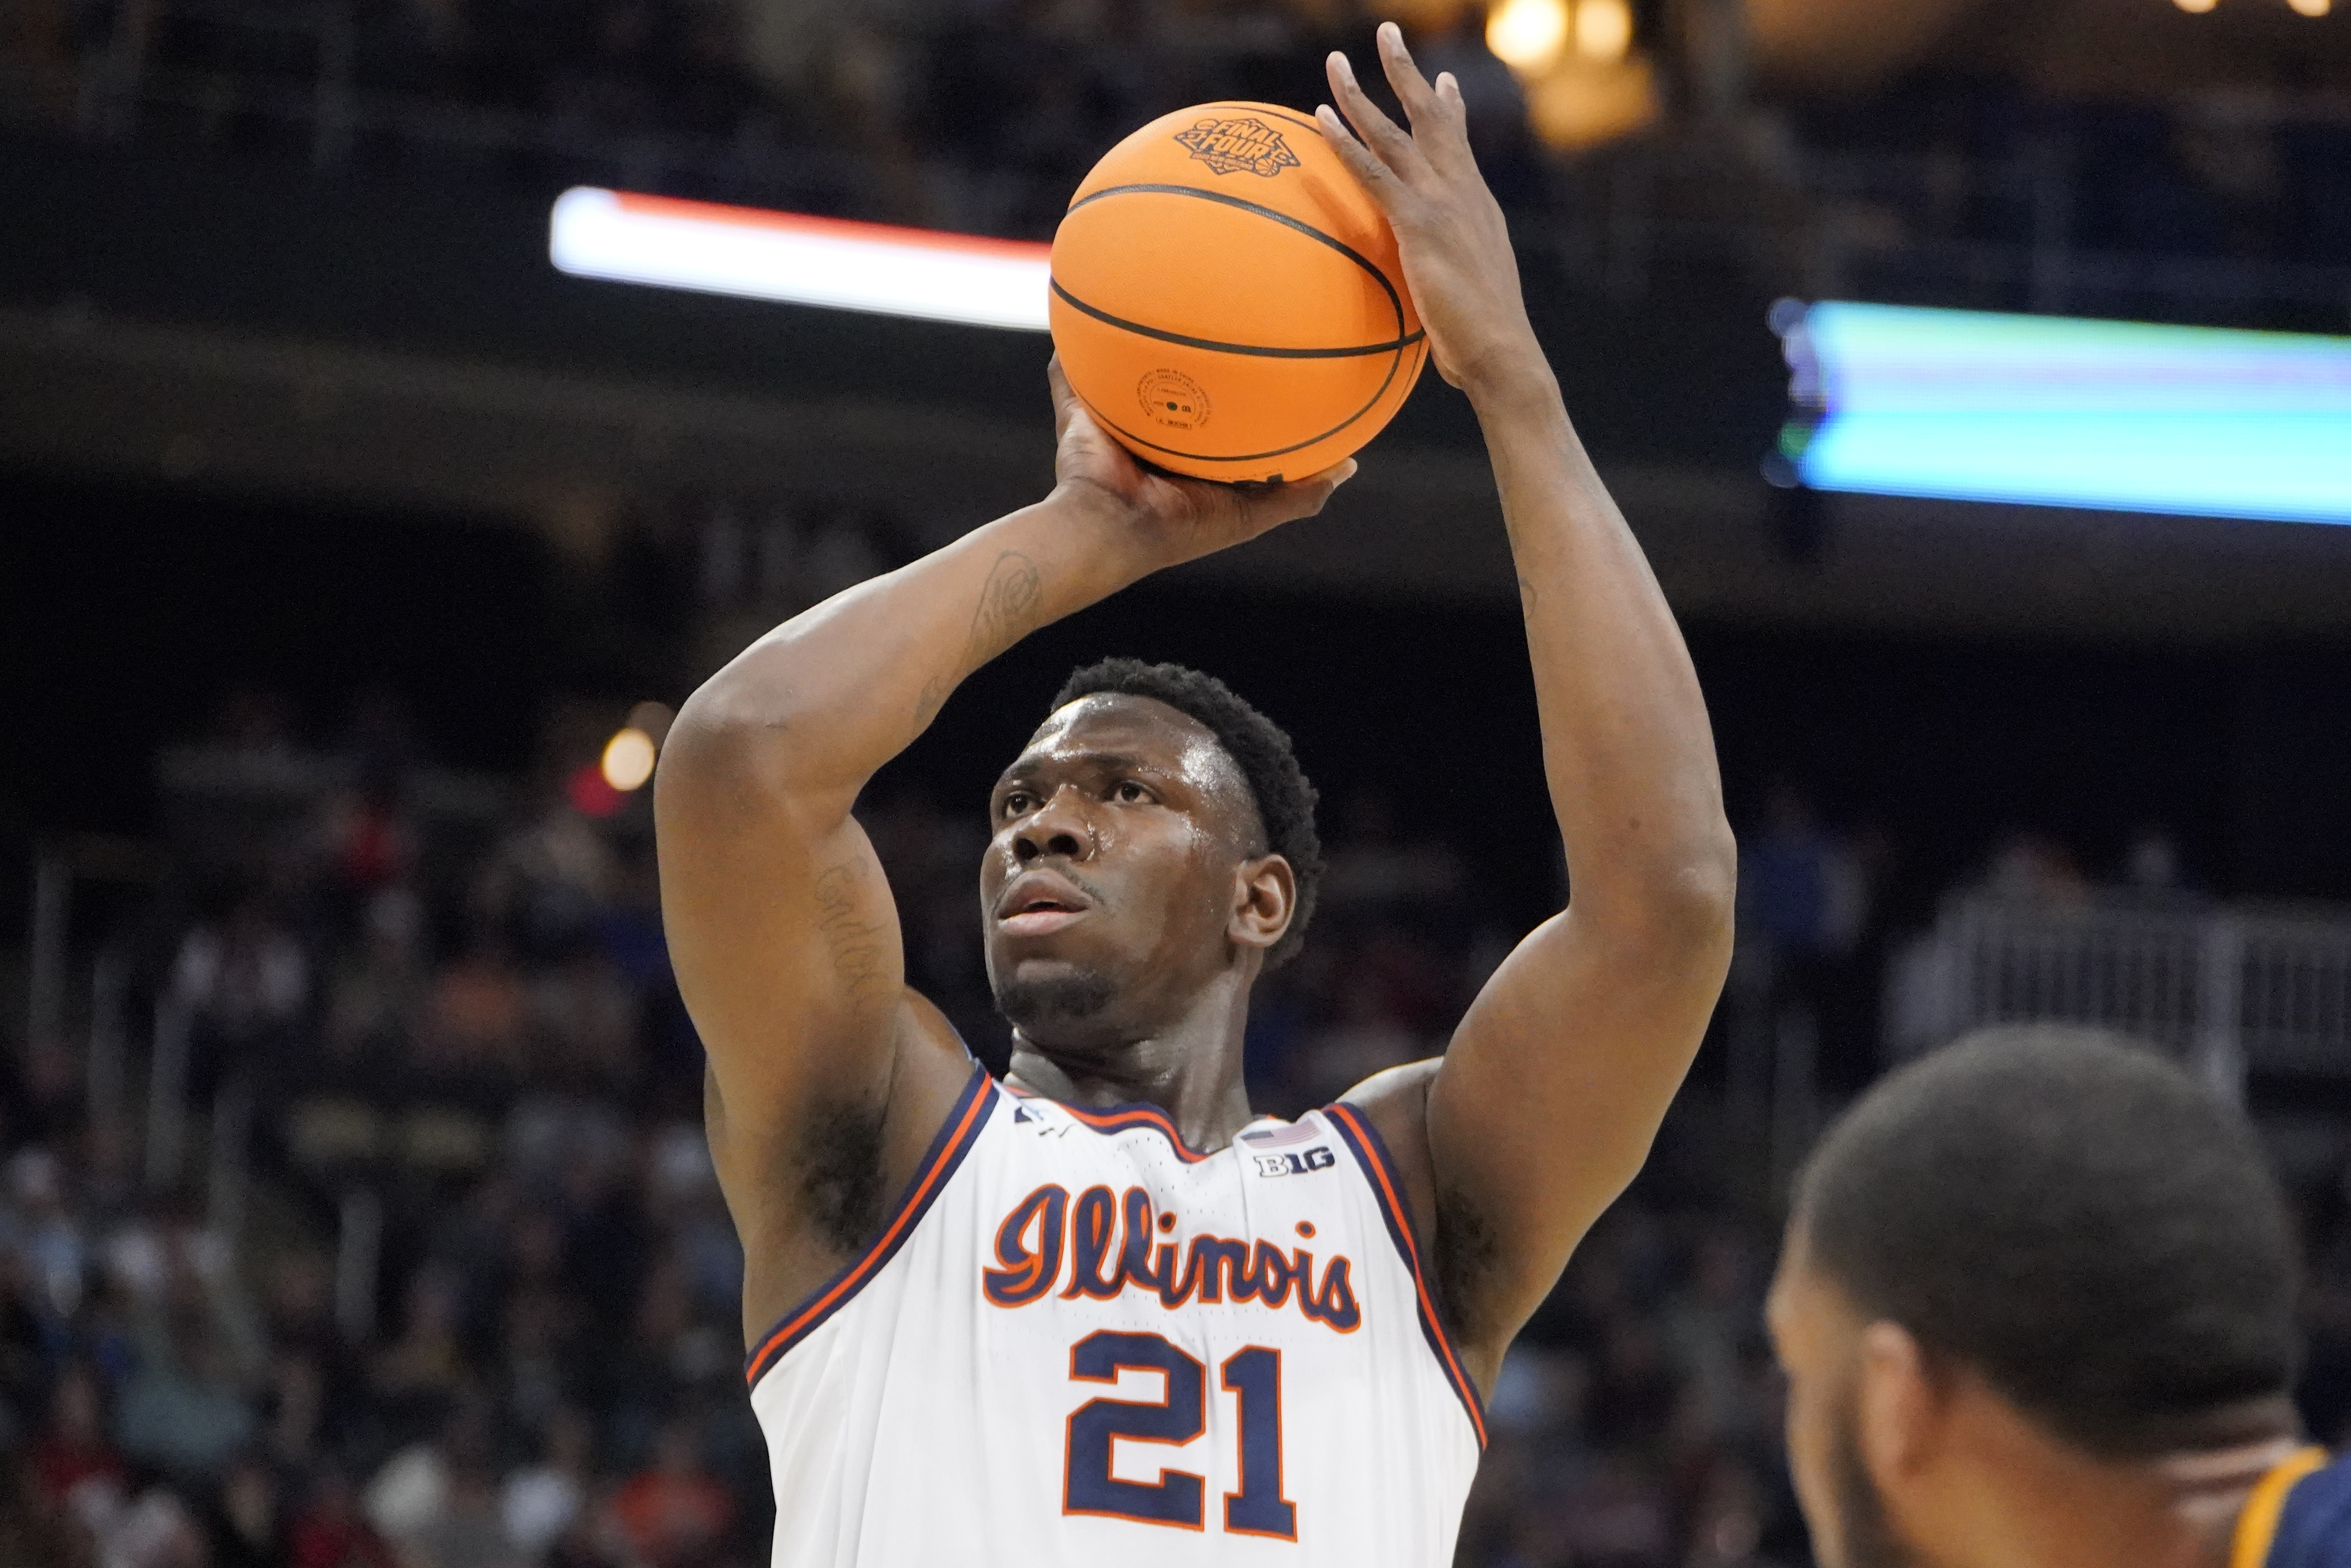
(2230, 991)
(1999, 232)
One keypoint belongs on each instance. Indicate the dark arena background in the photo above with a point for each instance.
(353, 558)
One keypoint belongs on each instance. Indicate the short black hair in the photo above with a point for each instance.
(1259, 748)
(2087, 1227)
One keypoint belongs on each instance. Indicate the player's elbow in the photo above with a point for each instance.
(1701, 890)
(1681, 900)
(731, 711)
(718, 736)
(1706, 882)
(738, 739)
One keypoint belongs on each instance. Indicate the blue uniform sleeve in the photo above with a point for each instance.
(2314, 1530)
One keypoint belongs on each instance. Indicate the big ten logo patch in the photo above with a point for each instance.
(1173, 399)
(1232, 146)
(1296, 1163)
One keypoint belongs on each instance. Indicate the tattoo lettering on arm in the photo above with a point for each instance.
(853, 944)
(1007, 612)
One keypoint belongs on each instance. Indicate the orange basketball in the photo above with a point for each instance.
(1226, 298)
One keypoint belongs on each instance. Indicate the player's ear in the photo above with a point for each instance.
(1265, 897)
(1900, 1404)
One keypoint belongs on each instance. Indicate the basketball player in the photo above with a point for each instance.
(1100, 1313)
(2037, 1310)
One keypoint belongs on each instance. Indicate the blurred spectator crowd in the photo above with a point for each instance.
(981, 115)
(444, 1280)
(966, 113)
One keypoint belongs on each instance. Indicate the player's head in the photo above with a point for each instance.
(2035, 1246)
(1155, 835)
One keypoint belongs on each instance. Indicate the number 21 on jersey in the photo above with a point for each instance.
(1252, 1377)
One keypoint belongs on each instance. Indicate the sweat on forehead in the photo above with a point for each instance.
(1150, 732)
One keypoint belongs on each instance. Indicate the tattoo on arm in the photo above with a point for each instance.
(1007, 602)
(854, 945)
(1007, 611)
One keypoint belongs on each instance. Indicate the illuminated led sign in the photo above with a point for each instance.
(757, 254)
(2059, 412)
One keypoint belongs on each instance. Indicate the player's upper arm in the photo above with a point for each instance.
(1547, 1099)
(779, 921)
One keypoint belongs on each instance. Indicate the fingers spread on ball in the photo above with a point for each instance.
(1412, 89)
(1358, 161)
(1386, 140)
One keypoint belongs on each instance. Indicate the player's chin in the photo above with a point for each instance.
(1038, 993)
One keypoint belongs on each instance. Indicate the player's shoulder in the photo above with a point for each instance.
(1395, 1100)
(1389, 1112)
(2313, 1528)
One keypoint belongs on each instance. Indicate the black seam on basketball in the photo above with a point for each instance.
(1357, 350)
(1386, 381)
(1275, 109)
(1395, 303)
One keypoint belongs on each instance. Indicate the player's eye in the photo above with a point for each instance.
(1015, 802)
(1129, 792)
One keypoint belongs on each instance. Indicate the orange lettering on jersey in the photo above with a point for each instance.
(1106, 1248)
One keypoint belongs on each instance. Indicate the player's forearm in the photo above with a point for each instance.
(818, 705)
(1627, 748)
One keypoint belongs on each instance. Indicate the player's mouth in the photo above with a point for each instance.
(1038, 902)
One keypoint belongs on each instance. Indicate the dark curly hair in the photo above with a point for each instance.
(1257, 745)
(2080, 1221)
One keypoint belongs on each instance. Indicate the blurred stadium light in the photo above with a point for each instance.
(761, 255)
(2052, 410)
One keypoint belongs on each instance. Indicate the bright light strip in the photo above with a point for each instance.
(759, 254)
(2057, 412)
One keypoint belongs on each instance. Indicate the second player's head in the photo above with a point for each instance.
(1153, 839)
(2038, 1249)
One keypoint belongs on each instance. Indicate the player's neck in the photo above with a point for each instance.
(1190, 1067)
(2209, 1488)
(2071, 1510)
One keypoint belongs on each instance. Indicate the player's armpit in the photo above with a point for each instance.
(786, 949)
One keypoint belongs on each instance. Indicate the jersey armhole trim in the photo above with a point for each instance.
(2257, 1526)
(956, 1137)
(1371, 1152)
(1113, 1119)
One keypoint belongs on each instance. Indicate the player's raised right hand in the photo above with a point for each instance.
(1169, 520)
(1451, 233)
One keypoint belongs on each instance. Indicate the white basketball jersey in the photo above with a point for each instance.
(1078, 1342)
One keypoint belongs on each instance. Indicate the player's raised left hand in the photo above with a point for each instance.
(1169, 520)
(1455, 247)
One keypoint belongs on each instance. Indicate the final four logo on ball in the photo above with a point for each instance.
(1229, 146)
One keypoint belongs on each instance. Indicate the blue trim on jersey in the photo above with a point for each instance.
(1371, 1151)
(956, 1137)
(2315, 1528)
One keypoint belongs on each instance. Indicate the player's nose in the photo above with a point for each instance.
(1058, 827)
